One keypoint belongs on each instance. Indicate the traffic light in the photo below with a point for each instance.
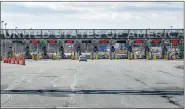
(174, 41)
(61, 48)
(16, 41)
(69, 41)
(104, 41)
(86, 41)
(35, 41)
(156, 41)
(138, 41)
(121, 41)
(52, 41)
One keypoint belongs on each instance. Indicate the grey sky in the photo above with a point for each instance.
(92, 14)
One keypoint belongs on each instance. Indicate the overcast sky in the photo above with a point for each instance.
(112, 15)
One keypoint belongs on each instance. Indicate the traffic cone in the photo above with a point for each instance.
(12, 61)
(22, 61)
(16, 61)
(9, 60)
(19, 60)
(5, 60)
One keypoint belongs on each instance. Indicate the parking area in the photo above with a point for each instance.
(95, 83)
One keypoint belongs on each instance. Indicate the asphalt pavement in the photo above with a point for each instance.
(95, 83)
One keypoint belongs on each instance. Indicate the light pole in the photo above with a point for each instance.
(171, 36)
(2, 24)
(149, 37)
(5, 34)
(15, 42)
(5, 25)
(15, 29)
(2, 33)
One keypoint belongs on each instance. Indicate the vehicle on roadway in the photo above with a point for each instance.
(83, 58)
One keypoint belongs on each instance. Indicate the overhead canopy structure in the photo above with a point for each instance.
(92, 34)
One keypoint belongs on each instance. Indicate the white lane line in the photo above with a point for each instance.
(73, 87)
(52, 82)
(74, 83)
(17, 83)
(12, 87)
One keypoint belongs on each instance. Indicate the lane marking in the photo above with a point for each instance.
(17, 83)
(52, 82)
(73, 88)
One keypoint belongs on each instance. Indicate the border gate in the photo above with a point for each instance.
(95, 36)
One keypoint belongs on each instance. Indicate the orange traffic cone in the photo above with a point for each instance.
(19, 60)
(16, 61)
(22, 61)
(9, 60)
(5, 60)
(12, 60)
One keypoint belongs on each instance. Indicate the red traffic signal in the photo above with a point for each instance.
(156, 41)
(52, 41)
(174, 41)
(104, 41)
(35, 41)
(69, 41)
(138, 41)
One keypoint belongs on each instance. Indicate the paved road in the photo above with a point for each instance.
(96, 83)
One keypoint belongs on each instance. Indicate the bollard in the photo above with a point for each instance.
(91, 56)
(58, 58)
(174, 57)
(116, 57)
(72, 57)
(135, 56)
(129, 57)
(154, 57)
(96, 56)
(147, 56)
(77, 57)
(32, 56)
(165, 56)
(38, 57)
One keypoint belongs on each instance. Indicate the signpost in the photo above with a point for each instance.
(94, 34)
